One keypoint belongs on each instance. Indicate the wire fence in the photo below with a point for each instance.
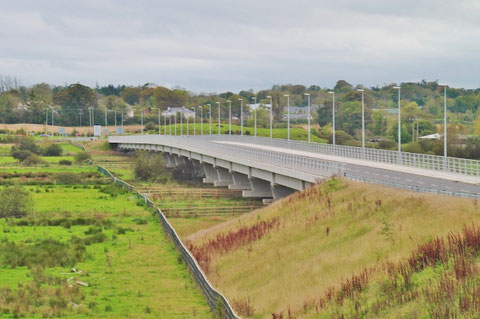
(217, 301)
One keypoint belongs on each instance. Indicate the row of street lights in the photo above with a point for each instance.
(399, 137)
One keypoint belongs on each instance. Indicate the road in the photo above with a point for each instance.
(395, 173)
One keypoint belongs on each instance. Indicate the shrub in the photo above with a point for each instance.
(53, 150)
(15, 202)
(20, 155)
(27, 144)
(81, 157)
(32, 159)
(149, 166)
(65, 162)
(67, 178)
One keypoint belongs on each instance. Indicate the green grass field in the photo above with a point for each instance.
(296, 133)
(135, 273)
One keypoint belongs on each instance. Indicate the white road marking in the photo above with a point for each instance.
(408, 180)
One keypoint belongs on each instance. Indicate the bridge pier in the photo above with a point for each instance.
(169, 160)
(279, 191)
(259, 189)
(240, 181)
(210, 174)
(224, 177)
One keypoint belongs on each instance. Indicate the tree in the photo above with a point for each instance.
(349, 117)
(466, 102)
(16, 202)
(131, 95)
(74, 98)
(81, 157)
(325, 113)
(164, 98)
(379, 123)
(53, 150)
(342, 86)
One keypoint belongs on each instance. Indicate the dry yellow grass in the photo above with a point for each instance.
(299, 261)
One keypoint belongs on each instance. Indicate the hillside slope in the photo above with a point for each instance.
(284, 257)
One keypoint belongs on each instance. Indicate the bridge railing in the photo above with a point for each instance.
(425, 161)
(246, 156)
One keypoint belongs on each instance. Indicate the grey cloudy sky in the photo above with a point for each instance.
(214, 46)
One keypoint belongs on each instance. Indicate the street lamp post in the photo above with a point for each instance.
(288, 116)
(271, 116)
(241, 117)
(159, 122)
(219, 117)
(187, 124)
(175, 123)
(333, 117)
(399, 132)
(181, 122)
(123, 132)
(115, 113)
(165, 124)
(229, 117)
(201, 120)
(46, 121)
(363, 117)
(444, 123)
(141, 119)
(170, 123)
(194, 120)
(308, 95)
(255, 116)
(210, 118)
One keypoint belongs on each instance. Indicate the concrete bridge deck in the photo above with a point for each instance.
(264, 167)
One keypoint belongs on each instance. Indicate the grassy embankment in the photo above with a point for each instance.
(285, 257)
(89, 250)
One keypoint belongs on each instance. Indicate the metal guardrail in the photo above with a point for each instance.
(80, 145)
(426, 161)
(214, 297)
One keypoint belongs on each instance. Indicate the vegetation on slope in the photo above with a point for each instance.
(324, 235)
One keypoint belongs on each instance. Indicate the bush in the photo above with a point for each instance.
(65, 162)
(67, 178)
(15, 202)
(27, 144)
(32, 159)
(149, 166)
(20, 155)
(81, 157)
(53, 150)
(387, 144)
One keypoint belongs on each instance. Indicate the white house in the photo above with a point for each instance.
(173, 111)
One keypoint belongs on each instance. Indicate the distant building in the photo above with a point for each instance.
(173, 111)
(256, 106)
(389, 111)
(299, 112)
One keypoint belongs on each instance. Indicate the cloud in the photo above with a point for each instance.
(214, 45)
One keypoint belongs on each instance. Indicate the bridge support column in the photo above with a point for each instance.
(210, 173)
(224, 177)
(198, 169)
(169, 160)
(279, 191)
(178, 160)
(259, 189)
(240, 181)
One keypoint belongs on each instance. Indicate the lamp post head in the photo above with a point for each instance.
(218, 103)
(209, 104)
(269, 97)
(307, 94)
(240, 99)
(443, 84)
(331, 92)
(360, 90)
(396, 87)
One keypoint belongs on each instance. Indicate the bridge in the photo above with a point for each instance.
(273, 168)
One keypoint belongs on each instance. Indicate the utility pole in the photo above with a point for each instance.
(363, 117)
(271, 116)
(308, 95)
